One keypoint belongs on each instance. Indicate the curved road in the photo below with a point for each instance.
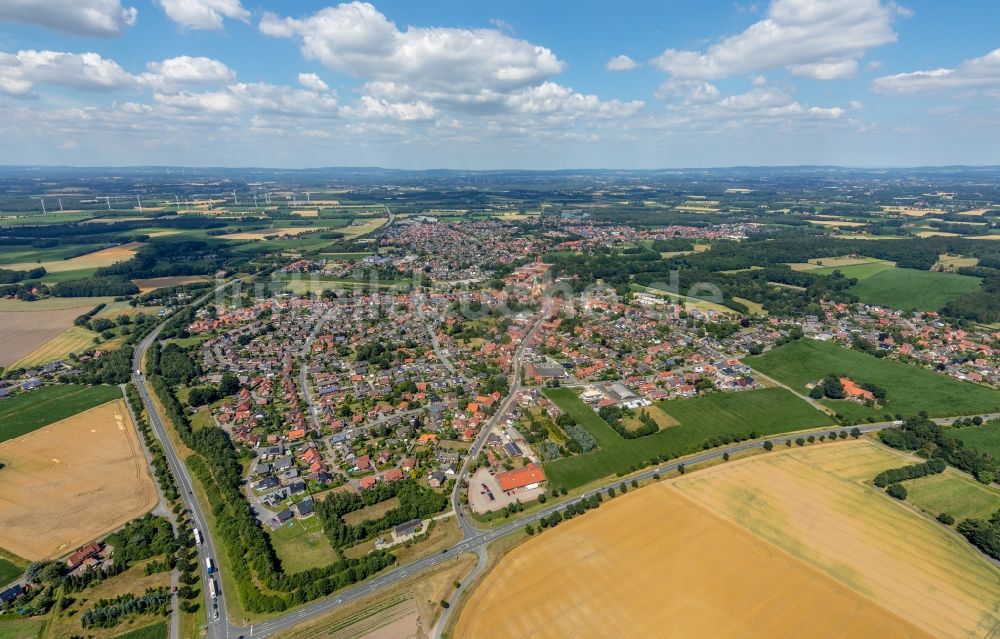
(474, 540)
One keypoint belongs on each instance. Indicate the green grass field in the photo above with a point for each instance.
(156, 631)
(8, 572)
(30, 411)
(985, 439)
(21, 628)
(766, 411)
(301, 545)
(909, 389)
(883, 284)
(954, 493)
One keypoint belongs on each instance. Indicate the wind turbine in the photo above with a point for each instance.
(43, 205)
(108, 200)
(60, 204)
(139, 202)
(235, 201)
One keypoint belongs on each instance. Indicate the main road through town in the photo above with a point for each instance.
(474, 539)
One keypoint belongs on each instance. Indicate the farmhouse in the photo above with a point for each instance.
(854, 391)
(73, 561)
(527, 478)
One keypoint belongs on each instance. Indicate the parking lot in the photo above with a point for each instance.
(482, 483)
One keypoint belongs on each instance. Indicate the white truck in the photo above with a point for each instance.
(197, 536)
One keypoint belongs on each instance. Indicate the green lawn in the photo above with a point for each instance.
(766, 411)
(909, 389)
(21, 628)
(8, 572)
(954, 493)
(156, 631)
(883, 284)
(985, 438)
(301, 544)
(26, 412)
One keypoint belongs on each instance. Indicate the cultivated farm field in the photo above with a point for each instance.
(97, 259)
(74, 339)
(29, 411)
(153, 283)
(909, 389)
(985, 438)
(954, 493)
(654, 563)
(23, 332)
(816, 504)
(884, 284)
(72, 481)
(766, 411)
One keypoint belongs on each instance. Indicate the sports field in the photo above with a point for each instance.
(74, 339)
(766, 411)
(815, 504)
(882, 283)
(954, 493)
(985, 439)
(24, 332)
(653, 563)
(71, 482)
(909, 389)
(25, 412)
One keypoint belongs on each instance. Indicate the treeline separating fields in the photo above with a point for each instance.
(705, 422)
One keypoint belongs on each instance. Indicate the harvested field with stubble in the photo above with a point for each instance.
(153, 283)
(75, 339)
(815, 504)
(97, 259)
(653, 563)
(23, 332)
(72, 482)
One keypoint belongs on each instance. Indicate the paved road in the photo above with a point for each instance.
(217, 628)
(162, 509)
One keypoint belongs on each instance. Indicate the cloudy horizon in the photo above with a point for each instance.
(863, 83)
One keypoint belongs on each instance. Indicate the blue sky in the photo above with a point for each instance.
(493, 84)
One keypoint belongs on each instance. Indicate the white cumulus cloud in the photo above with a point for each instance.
(203, 14)
(356, 38)
(821, 39)
(978, 73)
(81, 17)
(187, 70)
(19, 72)
(313, 82)
(621, 63)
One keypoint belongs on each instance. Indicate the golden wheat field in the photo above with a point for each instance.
(815, 504)
(653, 563)
(24, 332)
(74, 339)
(153, 283)
(97, 259)
(72, 482)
